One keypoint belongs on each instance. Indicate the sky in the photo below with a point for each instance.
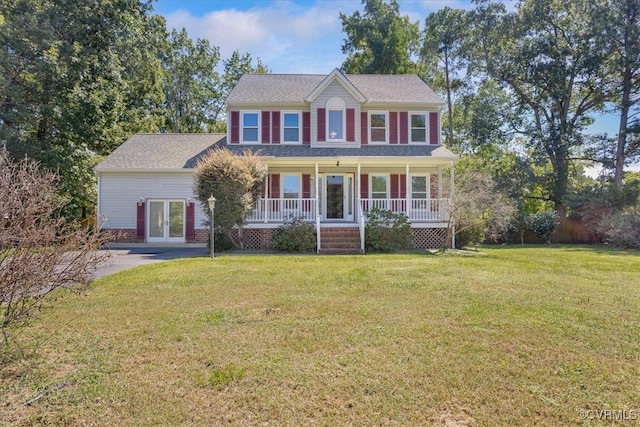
(295, 36)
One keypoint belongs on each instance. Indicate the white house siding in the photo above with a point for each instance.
(335, 89)
(119, 193)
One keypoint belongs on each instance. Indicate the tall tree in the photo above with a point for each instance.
(76, 80)
(551, 62)
(622, 31)
(192, 85)
(379, 41)
(441, 57)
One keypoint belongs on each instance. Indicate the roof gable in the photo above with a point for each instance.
(337, 76)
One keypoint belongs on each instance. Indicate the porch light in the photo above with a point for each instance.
(212, 208)
(338, 163)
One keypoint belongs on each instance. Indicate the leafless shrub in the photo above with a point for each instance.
(40, 251)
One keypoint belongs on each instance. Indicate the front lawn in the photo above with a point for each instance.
(509, 336)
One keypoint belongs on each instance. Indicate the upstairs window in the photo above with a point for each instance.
(418, 124)
(336, 123)
(291, 127)
(250, 127)
(378, 127)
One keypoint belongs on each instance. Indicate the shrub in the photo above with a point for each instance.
(543, 224)
(295, 235)
(386, 231)
(621, 230)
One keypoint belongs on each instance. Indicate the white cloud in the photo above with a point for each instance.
(288, 38)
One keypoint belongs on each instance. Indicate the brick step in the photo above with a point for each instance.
(340, 245)
(336, 251)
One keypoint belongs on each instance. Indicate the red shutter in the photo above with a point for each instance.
(394, 186)
(351, 124)
(435, 186)
(364, 186)
(235, 127)
(190, 222)
(322, 124)
(393, 127)
(140, 216)
(403, 186)
(404, 127)
(274, 190)
(306, 186)
(275, 127)
(433, 128)
(266, 127)
(306, 127)
(364, 129)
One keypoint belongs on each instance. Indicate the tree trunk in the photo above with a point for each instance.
(622, 129)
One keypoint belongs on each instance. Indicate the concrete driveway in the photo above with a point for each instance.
(125, 256)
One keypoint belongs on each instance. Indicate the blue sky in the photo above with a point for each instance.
(293, 36)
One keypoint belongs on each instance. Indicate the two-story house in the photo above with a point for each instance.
(336, 145)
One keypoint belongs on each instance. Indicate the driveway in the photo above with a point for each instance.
(125, 256)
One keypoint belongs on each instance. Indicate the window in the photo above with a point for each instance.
(291, 186)
(290, 127)
(250, 127)
(378, 127)
(336, 123)
(378, 186)
(418, 127)
(419, 187)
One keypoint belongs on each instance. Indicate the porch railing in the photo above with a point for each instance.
(279, 210)
(419, 209)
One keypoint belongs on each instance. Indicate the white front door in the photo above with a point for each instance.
(165, 221)
(337, 197)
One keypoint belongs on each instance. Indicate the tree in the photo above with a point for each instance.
(551, 63)
(78, 77)
(192, 85)
(235, 181)
(622, 32)
(441, 57)
(379, 41)
(478, 210)
(40, 251)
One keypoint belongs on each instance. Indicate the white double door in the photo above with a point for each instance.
(165, 221)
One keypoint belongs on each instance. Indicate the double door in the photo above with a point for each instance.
(165, 221)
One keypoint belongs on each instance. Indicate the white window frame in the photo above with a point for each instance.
(282, 178)
(282, 127)
(426, 127)
(388, 184)
(242, 126)
(386, 126)
(427, 177)
(336, 104)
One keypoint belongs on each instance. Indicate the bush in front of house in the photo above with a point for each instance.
(295, 235)
(386, 231)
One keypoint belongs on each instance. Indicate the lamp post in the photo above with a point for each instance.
(212, 208)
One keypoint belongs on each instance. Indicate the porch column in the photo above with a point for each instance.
(408, 189)
(318, 195)
(451, 193)
(265, 211)
(358, 187)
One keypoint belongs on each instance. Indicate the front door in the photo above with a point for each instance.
(337, 197)
(166, 221)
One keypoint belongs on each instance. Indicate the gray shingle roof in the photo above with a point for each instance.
(160, 151)
(293, 88)
(182, 151)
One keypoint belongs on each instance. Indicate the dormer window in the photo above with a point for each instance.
(336, 123)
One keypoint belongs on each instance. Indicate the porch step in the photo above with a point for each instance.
(339, 241)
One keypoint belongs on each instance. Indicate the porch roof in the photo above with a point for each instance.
(181, 152)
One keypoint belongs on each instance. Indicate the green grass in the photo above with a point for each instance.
(509, 336)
